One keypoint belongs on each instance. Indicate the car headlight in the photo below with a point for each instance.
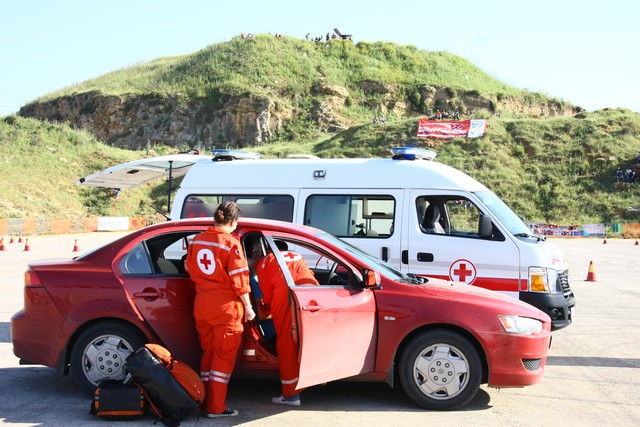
(520, 325)
(542, 279)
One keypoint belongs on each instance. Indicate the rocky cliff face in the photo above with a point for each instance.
(142, 121)
(138, 122)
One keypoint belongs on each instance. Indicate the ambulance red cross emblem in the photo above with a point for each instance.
(463, 271)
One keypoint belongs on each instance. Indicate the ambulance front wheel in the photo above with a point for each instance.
(440, 370)
(100, 353)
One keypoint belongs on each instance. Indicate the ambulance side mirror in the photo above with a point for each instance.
(485, 228)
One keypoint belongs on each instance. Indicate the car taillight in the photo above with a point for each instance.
(31, 279)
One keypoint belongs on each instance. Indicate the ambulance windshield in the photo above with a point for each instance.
(503, 213)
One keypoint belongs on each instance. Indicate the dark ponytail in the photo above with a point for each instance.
(226, 212)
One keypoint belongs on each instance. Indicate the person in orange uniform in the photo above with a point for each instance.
(217, 264)
(275, 294)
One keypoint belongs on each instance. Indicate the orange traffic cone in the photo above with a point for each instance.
(11, 240)
(75, 246)
(26, 245)
(591, 275)
(636, 242)
(604, 242)
(20, 239)
(2, 248)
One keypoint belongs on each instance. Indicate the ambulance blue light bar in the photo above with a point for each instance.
(412, 153)
(220, 154)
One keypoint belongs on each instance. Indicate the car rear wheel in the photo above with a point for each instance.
(100, 353)
(440, 370)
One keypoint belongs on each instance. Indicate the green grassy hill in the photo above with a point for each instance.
(550, 169)
(289, 68)
(40, 164)
(558, 170)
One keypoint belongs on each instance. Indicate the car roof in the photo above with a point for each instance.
(243, 222)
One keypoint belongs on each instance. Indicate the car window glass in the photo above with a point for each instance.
(160, 255)
(136, 261)
(327, 269)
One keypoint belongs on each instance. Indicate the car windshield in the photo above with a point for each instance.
(503, 213)
(375, 263)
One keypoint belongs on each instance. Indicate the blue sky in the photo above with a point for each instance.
(584, 52)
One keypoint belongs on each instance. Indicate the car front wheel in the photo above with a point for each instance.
(440, 370)
(100, 353)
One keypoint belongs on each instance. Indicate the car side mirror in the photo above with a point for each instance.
(371, 278)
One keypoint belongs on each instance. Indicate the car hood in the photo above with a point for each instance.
(456, 290)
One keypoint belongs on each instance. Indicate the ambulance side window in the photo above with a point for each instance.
(266, 206)
(451, 216)
(361, 216)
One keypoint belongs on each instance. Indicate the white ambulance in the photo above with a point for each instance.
(419, 215)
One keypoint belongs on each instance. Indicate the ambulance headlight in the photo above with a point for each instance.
(520, 325)
(542, 279)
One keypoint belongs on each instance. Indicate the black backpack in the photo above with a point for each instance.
(167, 397)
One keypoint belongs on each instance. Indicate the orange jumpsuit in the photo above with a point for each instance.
(218, 267)
(275, 293)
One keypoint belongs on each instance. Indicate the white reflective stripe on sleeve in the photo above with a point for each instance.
(215, 244)
(238, 270)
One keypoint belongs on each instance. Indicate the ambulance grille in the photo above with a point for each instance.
(563, 284)
(532, 364)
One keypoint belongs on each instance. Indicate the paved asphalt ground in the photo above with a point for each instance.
(592, 376)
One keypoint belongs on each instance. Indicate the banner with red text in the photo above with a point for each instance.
(451, 129)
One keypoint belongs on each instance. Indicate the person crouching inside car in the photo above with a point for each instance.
(275, 294)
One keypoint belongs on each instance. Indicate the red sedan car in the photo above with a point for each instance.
(439, 340)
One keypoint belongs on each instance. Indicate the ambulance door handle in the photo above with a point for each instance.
(425, 257)
(385, 253)
(405, 257)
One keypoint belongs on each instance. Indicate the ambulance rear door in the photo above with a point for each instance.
(366, 218)
(445, 240)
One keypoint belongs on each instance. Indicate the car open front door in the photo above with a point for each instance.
(337, 332)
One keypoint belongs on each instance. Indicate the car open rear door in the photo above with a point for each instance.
(337, 332)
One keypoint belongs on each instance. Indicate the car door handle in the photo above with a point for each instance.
(149, 294)
(312, 308)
